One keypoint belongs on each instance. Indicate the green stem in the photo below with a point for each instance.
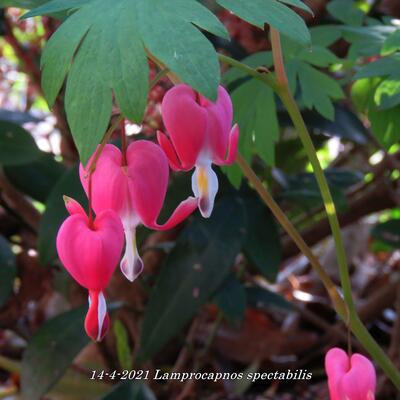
(338, 303)
(158, 77)
(298, 122)
(356, 326)
(330, 207)
(268, 79)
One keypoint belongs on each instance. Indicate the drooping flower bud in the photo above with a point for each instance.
(349, 378)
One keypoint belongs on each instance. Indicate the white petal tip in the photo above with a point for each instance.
(205, 188)
(132, 267)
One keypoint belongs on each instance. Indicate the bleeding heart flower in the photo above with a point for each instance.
(136, 192)
(200, 134)
(349, 378)
(90, 252)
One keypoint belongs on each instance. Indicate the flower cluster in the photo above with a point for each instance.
(126, 190)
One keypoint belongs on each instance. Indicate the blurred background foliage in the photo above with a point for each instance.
(227, 294)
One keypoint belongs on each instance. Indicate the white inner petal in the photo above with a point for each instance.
(101, 314)
(205, 187)
(131, 263)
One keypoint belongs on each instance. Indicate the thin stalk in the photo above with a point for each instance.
(158, 77)
(329, 205)
(103, 143)
(305, 137)
(248, 172)
(278, 59)
(266, 78)
(124, 147)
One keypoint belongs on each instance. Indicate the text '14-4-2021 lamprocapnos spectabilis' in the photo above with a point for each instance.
(126, 190)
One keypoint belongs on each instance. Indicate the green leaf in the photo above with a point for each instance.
(69, 184)
(346, 125)
(385, 125)
(346, 11)
(194, 12)
(51, 7)
(262, 246)
(392, 43)
(388, 232)
(179, 45)
(318, 90)
(16, 145)
(318, 56)
(325, 35)
(298, 4)
(231, 299)
(130, 391)
(385, 66)
(8, 270)
(255, 112)
(272, 12)
(22, 3)
(387, 94)
(36, 179)
(384, 122)
(193, 271)
(262, 298)
(111, 56)
(122, 342)
(366, 41)
(102, 49)
(51, 351)
(362, 93)
(302, 189)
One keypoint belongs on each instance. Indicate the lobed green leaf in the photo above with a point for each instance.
(272, 12)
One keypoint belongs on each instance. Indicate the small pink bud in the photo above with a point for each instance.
(349, 378)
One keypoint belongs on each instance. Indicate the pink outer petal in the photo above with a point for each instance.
(148, 180)
(360, 382)
(184, 209)
(219, 124)
(186, 123)
(148, 173)
(91, 255)
(349, 379)
(232, 147)
(73, 207)
(169, 150)
(97, 321)
(337, 363)
(109, 181)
